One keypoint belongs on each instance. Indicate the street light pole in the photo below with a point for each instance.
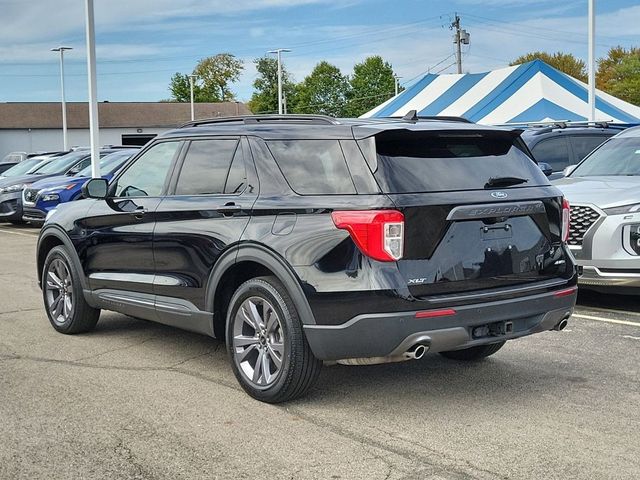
(592, 61)
(397, 83)
(192, 79)
(279, 52)
(93, 96)
(61, 49)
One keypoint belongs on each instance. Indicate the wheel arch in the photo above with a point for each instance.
(51, 237)
(242, 263)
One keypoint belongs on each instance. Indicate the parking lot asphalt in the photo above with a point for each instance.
(143, 401)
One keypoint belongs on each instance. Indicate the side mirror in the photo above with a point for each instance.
(95, 188)
(546, 168)
(569, 170)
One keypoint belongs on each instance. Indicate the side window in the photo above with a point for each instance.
(237, 178)
(583, 145)
(147, 175)
(553, 151)
(80, 166)
(313, 167)
(206, 167)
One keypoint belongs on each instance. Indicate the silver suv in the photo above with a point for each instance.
(604, 193)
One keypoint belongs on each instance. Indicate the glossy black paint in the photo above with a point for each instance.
(171, 246)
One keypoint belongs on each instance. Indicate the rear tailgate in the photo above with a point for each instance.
(463, 231)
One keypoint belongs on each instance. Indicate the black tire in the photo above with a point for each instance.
(474, 353)
(80, 316)
(299, 368)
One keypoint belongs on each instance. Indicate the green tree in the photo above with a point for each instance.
(265, 94)
(323, 91)
(215, 74)
(371, 84)
(565, 62)
(619, 74)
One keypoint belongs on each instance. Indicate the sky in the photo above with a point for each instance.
(141, 43)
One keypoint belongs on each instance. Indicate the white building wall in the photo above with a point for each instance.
(34, 140)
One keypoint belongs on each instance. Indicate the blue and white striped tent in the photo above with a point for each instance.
(531, 92)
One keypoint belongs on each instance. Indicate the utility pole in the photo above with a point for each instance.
(65, 142)
(280, 101)
(461, 37)
(592, 61)
(397, 83)
(192, 79)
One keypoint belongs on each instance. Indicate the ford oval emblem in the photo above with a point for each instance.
(499, 194)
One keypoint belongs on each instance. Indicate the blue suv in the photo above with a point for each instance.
(46, 194)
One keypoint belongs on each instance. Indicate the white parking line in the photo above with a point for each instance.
(608, 320)
(22, 234)
(609, 310)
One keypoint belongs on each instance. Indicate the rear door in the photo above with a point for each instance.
(211, 197)
(479, 213)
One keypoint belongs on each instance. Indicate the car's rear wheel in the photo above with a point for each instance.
(474, 353)
(64, 301)
(269, 353)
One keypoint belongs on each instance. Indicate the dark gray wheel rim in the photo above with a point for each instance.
(258, 343)
(59, 291)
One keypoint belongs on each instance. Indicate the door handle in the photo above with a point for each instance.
(139, 212)
(229, 209)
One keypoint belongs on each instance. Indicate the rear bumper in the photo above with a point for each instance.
(386, 334)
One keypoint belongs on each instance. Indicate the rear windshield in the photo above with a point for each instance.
(413, 162)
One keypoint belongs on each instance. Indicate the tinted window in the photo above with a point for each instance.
(237, 178)
(619, 156)
(205, 167)
(437, 162)
(313, 166)
(553, 151)
(583, 145)
(147, 175)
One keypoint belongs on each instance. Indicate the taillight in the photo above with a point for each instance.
(379, 234)
(566, 219)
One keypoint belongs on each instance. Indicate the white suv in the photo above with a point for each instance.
(604, 193)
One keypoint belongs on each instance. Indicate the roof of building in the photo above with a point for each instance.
(21, 115)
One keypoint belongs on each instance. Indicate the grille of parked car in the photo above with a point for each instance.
(582, 217)
(30, 195)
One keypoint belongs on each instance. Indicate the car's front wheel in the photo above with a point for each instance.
(474, 353)
(64, 301)
(269, 353)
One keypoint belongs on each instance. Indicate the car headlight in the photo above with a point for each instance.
(13, 188)
(49, 197)
(633, 208)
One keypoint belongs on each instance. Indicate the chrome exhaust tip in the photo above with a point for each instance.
(416, 352)
(562, 324)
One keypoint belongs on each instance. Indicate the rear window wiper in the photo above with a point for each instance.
(504, 181)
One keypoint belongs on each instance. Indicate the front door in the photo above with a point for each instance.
(119, 230)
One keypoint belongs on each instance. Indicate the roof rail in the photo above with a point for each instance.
(258, 119)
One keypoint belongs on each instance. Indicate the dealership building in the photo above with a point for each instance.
(33, 127)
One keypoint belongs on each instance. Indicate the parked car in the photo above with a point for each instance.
(604, 191)
(16, 157)
(303, 238)
(563, 144)
(11, 187)
(45, 195)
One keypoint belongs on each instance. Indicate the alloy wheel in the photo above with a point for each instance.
(258, 343)
(59, 291)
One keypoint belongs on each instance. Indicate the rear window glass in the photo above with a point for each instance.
(553, 151)
(313, 167)
(409, 162)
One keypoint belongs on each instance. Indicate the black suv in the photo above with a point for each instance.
(302, 239)
(563, 144)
